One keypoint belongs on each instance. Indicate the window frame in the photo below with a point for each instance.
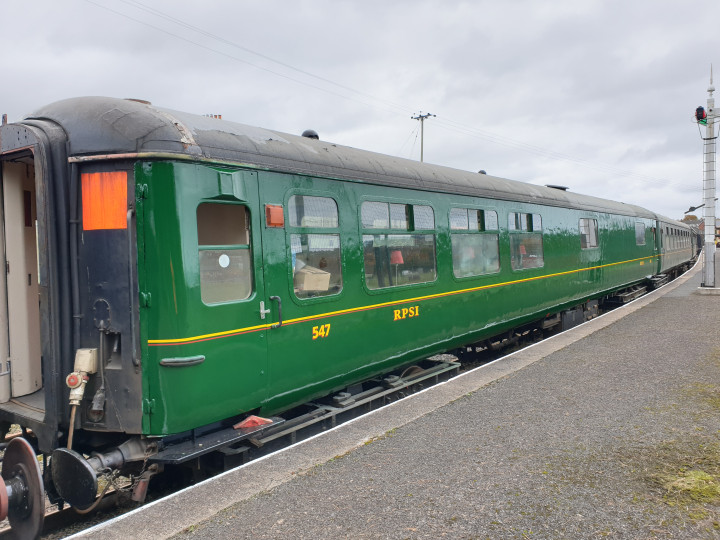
(239, 247)
(409, 220)
(589, 235)
(314, 226)
(480, 221)
(644, 231)
(527, 224)
(387, 232)
(310, 230)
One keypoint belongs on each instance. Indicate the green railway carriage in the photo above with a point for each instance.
(191, 270)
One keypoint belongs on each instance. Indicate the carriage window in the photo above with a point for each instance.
(399, 216)
(474, 254)
(307, 211)
(470, 219)
(491, 220)
(526, 243)
(639, 233)
(423, 217)
(392, 259)
(224, 252)
(458, 219)
(398, 259)
(524, 222)
(588, 233)
(406, 217)
(375, 215)
(315, 254)
(316, 264)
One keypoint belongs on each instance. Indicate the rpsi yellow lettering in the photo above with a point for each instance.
(406, 313)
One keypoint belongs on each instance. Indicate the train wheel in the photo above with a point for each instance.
(22, 494)
(412, 370)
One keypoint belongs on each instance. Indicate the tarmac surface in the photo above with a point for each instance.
(610, 430)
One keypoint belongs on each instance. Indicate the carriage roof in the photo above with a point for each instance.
(100, 126)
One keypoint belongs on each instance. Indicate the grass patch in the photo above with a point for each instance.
(707, 393)
(688, 470)
(688, 474)
(685, 475)
(694, 485)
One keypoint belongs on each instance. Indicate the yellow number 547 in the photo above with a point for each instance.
(321, 331)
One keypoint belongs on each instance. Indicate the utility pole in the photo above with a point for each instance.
(422, 118)
(709, 144)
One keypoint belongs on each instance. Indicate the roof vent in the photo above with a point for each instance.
(482, 171)
(553, 186)
(311, 134)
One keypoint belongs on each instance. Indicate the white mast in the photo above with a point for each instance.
(709, 188)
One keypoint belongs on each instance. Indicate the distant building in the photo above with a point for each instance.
(694, 221)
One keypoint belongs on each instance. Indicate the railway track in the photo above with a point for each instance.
(313, 418)
(60, 523)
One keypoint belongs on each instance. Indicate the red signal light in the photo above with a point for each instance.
(701, 115)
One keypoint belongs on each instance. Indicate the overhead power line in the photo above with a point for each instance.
(353, 94)
(387, 104)
(233, 57)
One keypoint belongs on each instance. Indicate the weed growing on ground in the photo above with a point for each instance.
(689, 475)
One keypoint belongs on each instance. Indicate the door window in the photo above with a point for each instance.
(314, 246)
(224, 252)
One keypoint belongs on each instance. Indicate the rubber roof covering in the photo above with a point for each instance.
(102, 126)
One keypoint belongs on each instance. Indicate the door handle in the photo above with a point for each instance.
(263, 311)
(279, 301)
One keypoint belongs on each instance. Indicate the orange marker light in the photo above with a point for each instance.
(104, 200)
(274, 216)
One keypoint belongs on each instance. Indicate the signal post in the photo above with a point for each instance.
(708, 119)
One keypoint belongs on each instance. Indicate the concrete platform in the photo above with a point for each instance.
(569, 438)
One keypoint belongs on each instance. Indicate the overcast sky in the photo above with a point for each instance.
(596, 95)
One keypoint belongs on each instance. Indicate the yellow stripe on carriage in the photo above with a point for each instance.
(250, 329)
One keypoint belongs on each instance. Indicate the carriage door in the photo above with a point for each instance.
(303, 279)
(20, 353)
(202, 268)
